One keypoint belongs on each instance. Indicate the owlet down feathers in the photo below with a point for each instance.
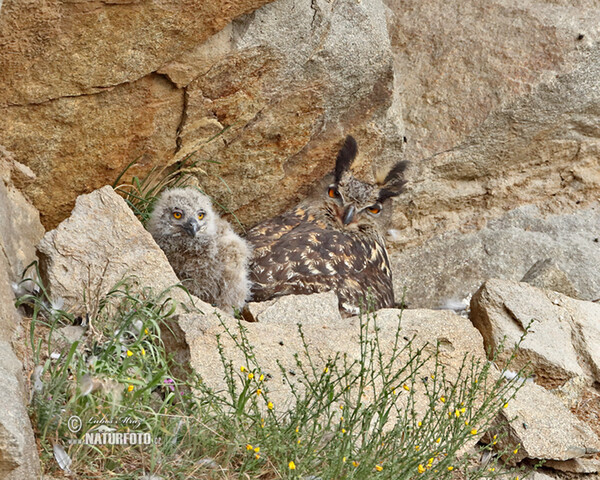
(209, 258)
(331, 242)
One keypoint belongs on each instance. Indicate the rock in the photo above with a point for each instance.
(77, 144)
(287, 91)
(571, 391)
(100, 244)
(277, 341)
(546, 274)
(575, 465)
(454, 265)
(279, 89)
(109, 44)
(564, 341)
(499, 105)
(19, 459)
(318, 308)
(20, 227)
(545, 429)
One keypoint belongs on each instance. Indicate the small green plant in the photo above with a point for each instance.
(141, 193)
(389, 415)
(377, 417)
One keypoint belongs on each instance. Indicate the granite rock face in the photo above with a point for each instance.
(545, 429)
(499, 104)
(453, 266)
(151, 83)
(56, 49)
(20, 230)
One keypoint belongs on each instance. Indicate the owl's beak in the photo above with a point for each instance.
(191, 227)
(348, 215)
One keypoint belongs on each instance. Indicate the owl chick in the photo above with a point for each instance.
(333, 241)
(209, 258)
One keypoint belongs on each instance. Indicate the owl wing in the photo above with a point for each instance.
(294, 254)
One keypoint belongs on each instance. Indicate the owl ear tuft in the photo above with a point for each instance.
(345, 157)
(394, 182)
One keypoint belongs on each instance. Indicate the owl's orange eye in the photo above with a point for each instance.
(177, 215)
(374, 209)
(200, 216)
(332, 192)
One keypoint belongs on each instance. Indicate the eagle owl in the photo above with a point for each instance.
(209, 258)
(331, 242)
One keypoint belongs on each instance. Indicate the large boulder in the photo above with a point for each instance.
(99, 245)
(544, 429)
(452, 266)
(18, 452)
(277, 342)
(563, 340)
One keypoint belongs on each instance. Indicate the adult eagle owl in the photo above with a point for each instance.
(332, 242)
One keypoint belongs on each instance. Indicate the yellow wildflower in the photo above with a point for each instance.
(406, 387)
(379, 468)
(143, 352)
(270, 405)
(343, 430)
(417, 448)
(249, 447)
(257, 456)
(420, 468)
(474, 431)
(516, 450)
(258, 391)
(438, 440)
(292, 465)
(450, 468)
(250, 376)
(242, 369)
(257, 449)
(129, 353)
(355, 463)
(262, 377)
(130, 388)
(443, 399)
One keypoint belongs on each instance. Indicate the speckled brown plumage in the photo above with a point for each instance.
(332, 242)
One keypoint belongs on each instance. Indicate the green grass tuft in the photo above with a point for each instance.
(351, 419)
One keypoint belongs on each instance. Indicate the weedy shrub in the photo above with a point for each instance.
(388, 415)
